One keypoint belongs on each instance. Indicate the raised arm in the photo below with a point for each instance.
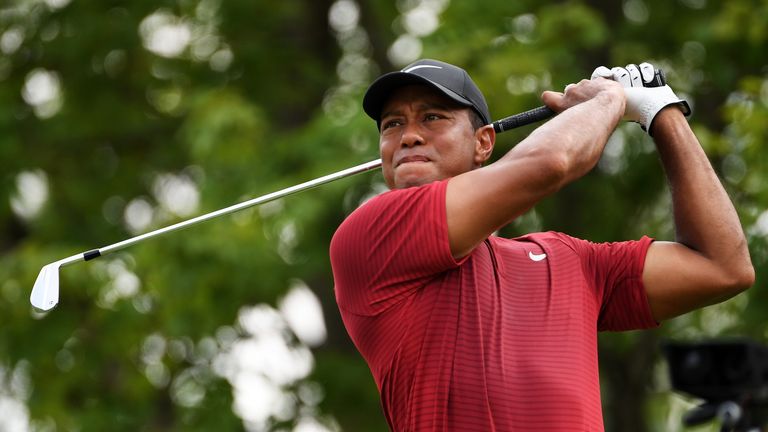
(481, 201)
(709, 262)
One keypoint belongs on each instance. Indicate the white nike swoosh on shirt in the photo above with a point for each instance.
(536, 257)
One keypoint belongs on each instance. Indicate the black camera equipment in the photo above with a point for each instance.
(731, 376)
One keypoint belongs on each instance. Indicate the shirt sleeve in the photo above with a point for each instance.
(390, 247)
(615, 270)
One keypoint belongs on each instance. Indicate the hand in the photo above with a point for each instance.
(582, 91)
(646, 96)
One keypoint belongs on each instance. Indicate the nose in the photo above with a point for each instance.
(411, 136)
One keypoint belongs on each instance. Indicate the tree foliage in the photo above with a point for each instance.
(121, 117)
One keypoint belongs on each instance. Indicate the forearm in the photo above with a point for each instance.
(572, 142)
(558, 152)
(705, 219)
(555, 154)
(575, 138)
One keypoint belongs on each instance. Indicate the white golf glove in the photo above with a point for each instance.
(647, 92)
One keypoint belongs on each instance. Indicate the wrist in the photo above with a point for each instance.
(667, 119)
(614, 99)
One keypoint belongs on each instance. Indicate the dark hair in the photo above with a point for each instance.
(475, 120)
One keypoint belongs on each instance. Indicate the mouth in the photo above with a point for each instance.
(412, 159)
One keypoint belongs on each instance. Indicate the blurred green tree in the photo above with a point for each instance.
(120, 117)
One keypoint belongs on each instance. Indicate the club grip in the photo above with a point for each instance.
(659, 79)
(522, 119)
(544, 112)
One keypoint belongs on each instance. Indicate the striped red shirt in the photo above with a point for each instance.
(504, 339)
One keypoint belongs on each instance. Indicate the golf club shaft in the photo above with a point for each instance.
(237, 207)
(502, 125)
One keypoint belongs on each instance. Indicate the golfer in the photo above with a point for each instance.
(467, 331)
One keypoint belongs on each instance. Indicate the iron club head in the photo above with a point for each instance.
(45, 293)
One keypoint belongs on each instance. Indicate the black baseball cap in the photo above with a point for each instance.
(450, 80)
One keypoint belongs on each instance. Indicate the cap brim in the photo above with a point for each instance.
(381, 90)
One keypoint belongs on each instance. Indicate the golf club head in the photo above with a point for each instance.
(45, 293)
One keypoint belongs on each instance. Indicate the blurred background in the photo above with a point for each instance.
(120, 117)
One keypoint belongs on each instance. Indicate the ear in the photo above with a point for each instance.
(485, 139)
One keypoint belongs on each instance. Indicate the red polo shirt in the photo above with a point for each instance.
(504, 339)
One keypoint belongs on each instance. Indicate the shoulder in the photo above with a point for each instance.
(390, 212)
(396, 203)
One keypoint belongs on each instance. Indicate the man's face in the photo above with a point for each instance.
(425, 136)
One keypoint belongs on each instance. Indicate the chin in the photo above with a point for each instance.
(413, 182)
(414, 176)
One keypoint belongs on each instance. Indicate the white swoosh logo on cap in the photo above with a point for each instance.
(536, 257)
(409, 70)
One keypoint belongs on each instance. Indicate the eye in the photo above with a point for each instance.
(434, 116)
(389, 124)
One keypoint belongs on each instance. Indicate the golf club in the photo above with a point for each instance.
(45, 293)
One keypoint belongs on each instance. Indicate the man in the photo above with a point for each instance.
(466, 331)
